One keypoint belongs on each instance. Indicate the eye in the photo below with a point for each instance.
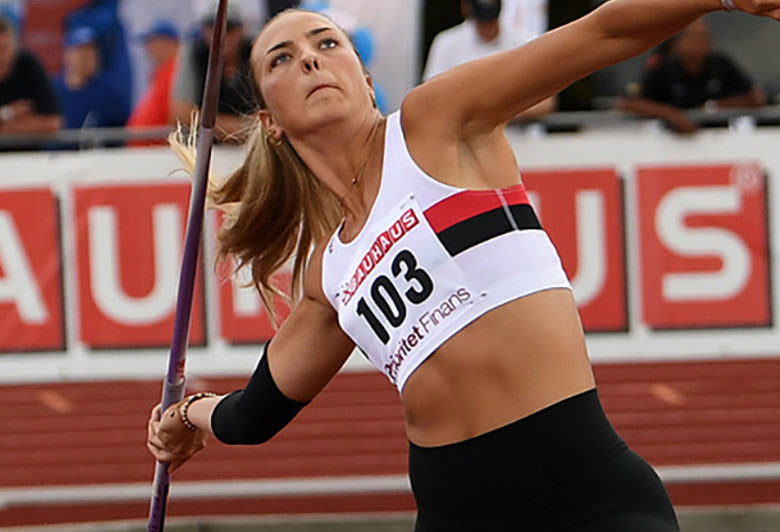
(279, 59)
(328, 43)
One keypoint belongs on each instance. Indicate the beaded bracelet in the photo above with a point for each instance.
(728, 5)
(186, 406)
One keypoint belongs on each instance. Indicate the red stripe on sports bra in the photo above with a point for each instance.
(469, 203)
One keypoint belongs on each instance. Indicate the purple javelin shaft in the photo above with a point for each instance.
(173, 387)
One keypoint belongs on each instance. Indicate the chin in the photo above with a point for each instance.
(327, 111)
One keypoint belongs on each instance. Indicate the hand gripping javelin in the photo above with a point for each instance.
(173, 387)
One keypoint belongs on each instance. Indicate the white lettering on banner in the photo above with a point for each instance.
(19, 285)
(104, 265)
(246, 302)
(701, 242)
(591, 247)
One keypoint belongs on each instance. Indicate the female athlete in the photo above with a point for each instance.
(428, 257)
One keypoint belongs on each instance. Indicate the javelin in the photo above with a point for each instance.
(173, 387)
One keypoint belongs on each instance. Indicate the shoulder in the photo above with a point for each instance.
(452, 36)
(427, 111)
(26, 57)
(58, 83)
(720, 60)
(101, 85)
(28, 63)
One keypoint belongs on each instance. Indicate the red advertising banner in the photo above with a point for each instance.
(243, 319)
(704, 246)
(31, 297)
(130, 241)
(700, 234)
(586, 225)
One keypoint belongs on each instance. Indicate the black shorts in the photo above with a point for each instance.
(562, 469)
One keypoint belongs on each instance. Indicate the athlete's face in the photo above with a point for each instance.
(308, 73)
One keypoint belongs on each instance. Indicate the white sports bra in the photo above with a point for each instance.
(430, 259)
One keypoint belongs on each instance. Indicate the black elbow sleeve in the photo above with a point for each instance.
(256, 413)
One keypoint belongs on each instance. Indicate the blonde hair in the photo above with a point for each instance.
(275, 209)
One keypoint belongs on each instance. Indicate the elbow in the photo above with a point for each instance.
(256, 413)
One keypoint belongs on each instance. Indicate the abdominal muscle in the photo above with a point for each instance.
(511, 362)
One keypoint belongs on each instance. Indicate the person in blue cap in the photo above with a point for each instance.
(161, 43)
(86, 99)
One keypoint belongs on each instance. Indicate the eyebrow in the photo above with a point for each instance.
(310, 33)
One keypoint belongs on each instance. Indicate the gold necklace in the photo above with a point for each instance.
(364, 165)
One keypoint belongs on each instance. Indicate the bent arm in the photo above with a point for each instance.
(307, 351)
(476, 97)
(755, 97)
(33, 123)
(675, 117)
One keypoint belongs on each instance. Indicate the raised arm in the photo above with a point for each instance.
(307, 351)
(475, 98)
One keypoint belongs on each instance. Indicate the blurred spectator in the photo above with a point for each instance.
(236, 97)
(478, 36)
(161, 43)
(87, 100)
(274, 7)
(102, 17)
(27, 100)
(688, 74)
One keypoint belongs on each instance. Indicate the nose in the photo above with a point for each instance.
(310, 63)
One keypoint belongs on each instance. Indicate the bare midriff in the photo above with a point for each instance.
(511, 362)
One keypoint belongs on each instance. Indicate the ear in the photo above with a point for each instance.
(272, 129)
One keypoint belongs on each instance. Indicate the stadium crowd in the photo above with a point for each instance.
(91, 88)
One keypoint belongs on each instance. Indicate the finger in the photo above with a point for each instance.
(161, 455)
(153, 447)
(153, 430)
(156, 412)
(157, 442)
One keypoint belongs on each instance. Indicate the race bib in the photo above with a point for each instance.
(404, 293)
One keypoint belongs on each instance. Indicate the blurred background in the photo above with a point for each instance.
(667, 164)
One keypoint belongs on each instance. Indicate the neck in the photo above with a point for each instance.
(344, 157)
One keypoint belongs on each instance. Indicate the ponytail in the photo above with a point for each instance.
(274, 207)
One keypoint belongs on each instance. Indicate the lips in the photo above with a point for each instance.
(320, 86)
